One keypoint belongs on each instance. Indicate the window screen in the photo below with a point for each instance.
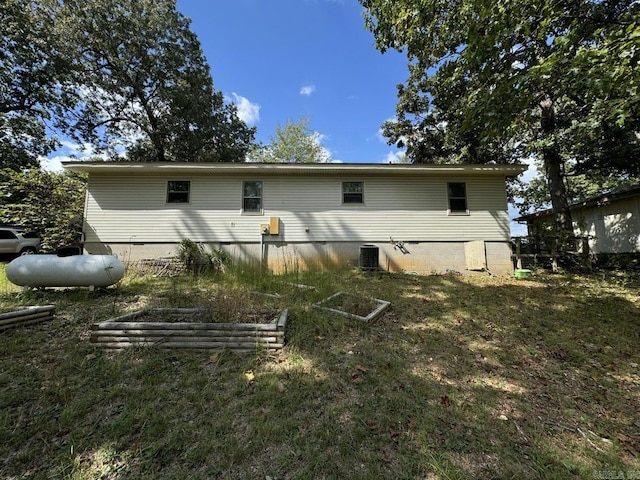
(252, 197)
(457, 197)
(352, 192)
(178, 191)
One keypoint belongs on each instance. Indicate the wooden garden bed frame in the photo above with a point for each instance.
(26, 316)
(129, 330)
(382, 305)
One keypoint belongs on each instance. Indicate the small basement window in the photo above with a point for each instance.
(178, 191)
(457, 192)
(352, 192)
(252, 197)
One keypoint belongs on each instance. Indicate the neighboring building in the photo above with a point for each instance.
(422, 218)
(610, 222)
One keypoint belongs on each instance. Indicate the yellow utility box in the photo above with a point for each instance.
(274, 225)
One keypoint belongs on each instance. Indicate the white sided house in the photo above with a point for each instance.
(422, 219)
(610, 222)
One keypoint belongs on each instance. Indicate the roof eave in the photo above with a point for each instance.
(292, 169)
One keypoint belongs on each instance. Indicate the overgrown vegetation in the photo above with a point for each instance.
(48, 203)
(464, 377)
(197, 261)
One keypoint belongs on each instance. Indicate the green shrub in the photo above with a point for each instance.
(197, 261)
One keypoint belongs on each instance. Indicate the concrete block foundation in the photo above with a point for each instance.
(422, 258)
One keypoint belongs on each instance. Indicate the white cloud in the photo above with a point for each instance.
(307, 90)
(69, 152)
(532, 172)
(395, 157)
(54, 164)
(325, 155)
(248, 112)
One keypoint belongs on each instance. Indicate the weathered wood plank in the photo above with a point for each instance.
(128, 316)
(147, 339)
(28, 311)
(283, 319)
(188, 326)
(123, 332)
(28, 322)
(239, 351)
(191, 333)
(196, 345)
(19, 320)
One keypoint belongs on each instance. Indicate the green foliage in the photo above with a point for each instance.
(145, 85)
(126, 76)
(293, 143)
(32, 74)
(497, 81)
(197, 261)
(534, 195)
(48, 203)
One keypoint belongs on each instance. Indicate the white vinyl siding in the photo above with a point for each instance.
(127, 208)
(611, 228)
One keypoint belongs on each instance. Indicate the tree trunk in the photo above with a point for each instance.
(552, 161)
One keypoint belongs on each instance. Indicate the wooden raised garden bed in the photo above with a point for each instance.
(26, 316)
(134, 330)
(353, 306)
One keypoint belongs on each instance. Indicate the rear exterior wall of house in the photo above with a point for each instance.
(407, 217)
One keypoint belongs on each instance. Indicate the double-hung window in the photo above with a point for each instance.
(178, 191)
(352, 192)
(251, 197)
(457, 193)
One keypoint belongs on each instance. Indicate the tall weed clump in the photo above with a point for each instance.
(197, 261)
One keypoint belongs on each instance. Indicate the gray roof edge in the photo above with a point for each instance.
(289, 168)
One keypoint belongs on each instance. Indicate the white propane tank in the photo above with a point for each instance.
(72, 271)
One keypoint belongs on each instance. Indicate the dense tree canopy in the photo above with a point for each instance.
(293, 143)
(32, 71)
(534, 195)
(145, 85)
(495, 81)
(126, 76)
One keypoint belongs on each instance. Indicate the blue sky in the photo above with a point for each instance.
(279, 60)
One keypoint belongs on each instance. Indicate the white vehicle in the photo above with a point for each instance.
(17, 240)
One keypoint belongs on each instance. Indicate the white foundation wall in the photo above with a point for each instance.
(415, 257)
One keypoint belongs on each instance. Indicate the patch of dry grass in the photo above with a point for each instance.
(472, 377)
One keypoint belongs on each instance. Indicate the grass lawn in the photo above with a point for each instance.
(462, 377)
